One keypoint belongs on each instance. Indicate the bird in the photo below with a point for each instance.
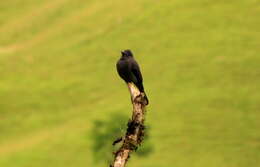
(129, 70)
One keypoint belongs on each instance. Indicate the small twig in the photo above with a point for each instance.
(135, 131)
(117, 141)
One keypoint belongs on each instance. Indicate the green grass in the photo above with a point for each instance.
(200, 61)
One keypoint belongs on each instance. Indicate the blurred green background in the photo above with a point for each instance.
(58, 83)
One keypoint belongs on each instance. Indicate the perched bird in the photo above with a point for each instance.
(129, 71)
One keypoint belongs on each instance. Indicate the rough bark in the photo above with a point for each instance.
(135, 131)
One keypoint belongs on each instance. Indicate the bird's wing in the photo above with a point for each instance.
(139, 79)
(136, 71)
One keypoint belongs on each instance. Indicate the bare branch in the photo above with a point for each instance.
(135, 131)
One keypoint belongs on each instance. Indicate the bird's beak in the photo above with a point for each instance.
(122, 52)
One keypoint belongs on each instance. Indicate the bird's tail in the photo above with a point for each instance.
(141, 89)
(146, 99)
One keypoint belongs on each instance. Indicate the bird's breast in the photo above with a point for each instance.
(124, 70)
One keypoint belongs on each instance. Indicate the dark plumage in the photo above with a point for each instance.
(128, 69)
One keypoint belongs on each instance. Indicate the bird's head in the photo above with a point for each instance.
(127, 53)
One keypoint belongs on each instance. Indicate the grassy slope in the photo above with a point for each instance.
(57, 68)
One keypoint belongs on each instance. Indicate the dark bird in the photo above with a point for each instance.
(128, 69)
